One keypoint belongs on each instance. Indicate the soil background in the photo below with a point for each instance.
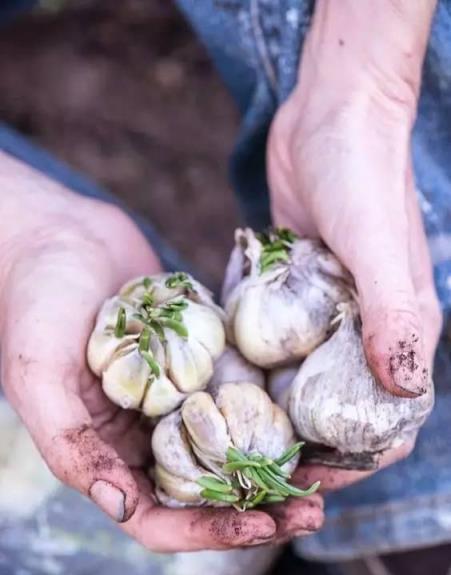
(123, 92)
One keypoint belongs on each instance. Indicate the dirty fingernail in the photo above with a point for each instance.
(257, 533)
(260, 541)
(407, 368)
(109, 498)
(415, 386)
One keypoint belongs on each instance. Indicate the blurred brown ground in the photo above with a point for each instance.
(124, 92)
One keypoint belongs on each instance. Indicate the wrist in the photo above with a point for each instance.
(365, 54)
(29, 199)
(34, 210)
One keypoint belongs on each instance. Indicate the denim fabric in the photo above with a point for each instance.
(408, 505)
(10, 8)
(256, 45)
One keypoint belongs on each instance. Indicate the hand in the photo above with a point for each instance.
(60, 256)
(339, 166)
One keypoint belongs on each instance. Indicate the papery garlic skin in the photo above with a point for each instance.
(335, 401)
(279, 382)
(282, 314)
(232, 367)
(193, 441)
(180, 364)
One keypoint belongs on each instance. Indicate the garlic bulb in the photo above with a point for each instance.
(335, 402)
(232, 367)
(236, 448)
(156, 342)
(279, 384)
(280, 294)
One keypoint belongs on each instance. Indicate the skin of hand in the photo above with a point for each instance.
(61, 255)
(339, 167)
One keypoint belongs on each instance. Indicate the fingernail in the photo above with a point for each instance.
(409, 375)
(109, 498)
(260, 541)
(264, 536)
(408, 371)
(299, 533)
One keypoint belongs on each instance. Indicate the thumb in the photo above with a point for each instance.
(62, 429)
(378, 258)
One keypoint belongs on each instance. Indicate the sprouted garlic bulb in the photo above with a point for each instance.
(156, 342)
(336, 403)
(228, 445)
(280, 294)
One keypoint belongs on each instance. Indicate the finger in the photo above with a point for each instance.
(169, 530)
(62, 431)
(333, 479)
(42, 364)
(374, 246)
(359, 206)
(392, 327)
(297, 517)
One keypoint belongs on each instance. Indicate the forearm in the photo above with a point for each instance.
(26, 195)
(37, 212)
(366, 50)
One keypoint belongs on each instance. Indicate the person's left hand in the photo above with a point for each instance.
(339, 168)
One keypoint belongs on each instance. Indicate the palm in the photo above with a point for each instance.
(48, 303)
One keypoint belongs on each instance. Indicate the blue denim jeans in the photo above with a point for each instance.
(256, 45)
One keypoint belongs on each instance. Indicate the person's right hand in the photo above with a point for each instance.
(61, 255)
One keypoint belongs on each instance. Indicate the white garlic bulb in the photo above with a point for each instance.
(156, 342)
(232, 367)
(280, 294)
(232, 447)
(336, 402)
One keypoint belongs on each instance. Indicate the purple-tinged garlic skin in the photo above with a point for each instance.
(279, 382)
(282, 314)
(336, 402)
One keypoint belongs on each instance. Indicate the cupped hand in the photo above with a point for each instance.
(339, 167)
(60, 258)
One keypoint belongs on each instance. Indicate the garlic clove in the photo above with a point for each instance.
(279, 384)
(162, 397)
(205, 326)
(172, 450)
(206, 426)
(276, 437)
(203, 361)
(234, 268)
(232, 367)
(248, 412)
(189, 365)
(175, 487)
(125, 379)
(103, 343)
(102, 347)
